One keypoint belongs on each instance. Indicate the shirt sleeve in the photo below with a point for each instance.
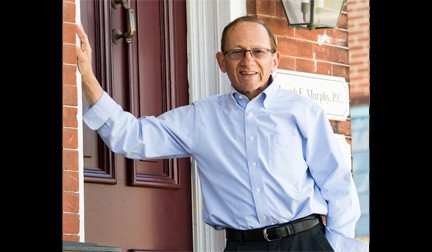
(95, 116)
(331, 171)
(169, 135)
(342, 243)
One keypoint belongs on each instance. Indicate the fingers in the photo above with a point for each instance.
(83, 52)
(79, 52)
(80, 31)
(85, 45)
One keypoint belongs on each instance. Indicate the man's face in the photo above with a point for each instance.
(248, 75)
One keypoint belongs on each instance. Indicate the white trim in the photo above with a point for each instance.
(205, 23)
(80, 138)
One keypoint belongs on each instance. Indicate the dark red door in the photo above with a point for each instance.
(134, 204)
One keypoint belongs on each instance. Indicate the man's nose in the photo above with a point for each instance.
(248, 57)
(247, 53)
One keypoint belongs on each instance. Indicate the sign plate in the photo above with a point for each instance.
(330, 92)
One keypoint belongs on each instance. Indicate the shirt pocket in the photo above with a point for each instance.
(285, 156)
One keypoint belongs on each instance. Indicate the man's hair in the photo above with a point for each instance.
(252, 19)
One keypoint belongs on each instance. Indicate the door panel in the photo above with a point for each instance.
(96, 20)
(135, 204)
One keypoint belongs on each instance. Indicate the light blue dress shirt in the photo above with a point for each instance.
(269, 160)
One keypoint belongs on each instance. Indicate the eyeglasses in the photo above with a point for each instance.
(257, 53)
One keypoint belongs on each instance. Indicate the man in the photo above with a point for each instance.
(269, 165)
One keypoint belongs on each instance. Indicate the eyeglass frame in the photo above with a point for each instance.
(229, 52)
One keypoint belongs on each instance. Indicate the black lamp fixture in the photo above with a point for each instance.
(312, 14)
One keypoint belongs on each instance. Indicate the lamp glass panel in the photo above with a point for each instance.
(293, 9)
(325, 14)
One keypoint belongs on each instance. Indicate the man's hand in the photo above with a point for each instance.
(91, 87)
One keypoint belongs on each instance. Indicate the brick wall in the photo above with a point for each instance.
(358, 26)
(71, 218)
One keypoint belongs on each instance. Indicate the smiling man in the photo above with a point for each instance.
(269, 165)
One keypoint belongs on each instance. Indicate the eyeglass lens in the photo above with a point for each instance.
(255, 53)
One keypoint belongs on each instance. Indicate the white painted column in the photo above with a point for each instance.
(205, 22)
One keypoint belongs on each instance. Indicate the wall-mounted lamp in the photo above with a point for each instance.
(312, 14)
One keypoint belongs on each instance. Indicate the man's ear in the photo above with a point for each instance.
(276, 59)
(221, 61)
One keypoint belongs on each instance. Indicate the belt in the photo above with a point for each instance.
(272, 233)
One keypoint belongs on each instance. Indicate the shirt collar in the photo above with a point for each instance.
(270, 92)
(264, 97)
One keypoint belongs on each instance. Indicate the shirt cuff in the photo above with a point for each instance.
(342, 243)
(95, 116)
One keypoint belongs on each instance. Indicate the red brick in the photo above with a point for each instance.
(251, 6)
(307, 66)
(70, 117)
(72, 238)
(71, 223)
(69, 54)
(280, 12)
(287, 63)
(70, 160)
(70, 95)
(70, 202)
(69, 74)
(70, 138)
(311, 35)
(70, 181)
(340, 71)
(69, 12)
(69, 34)
(341, 127)
(266, 7)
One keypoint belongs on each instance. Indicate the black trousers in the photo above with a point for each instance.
(310, 240)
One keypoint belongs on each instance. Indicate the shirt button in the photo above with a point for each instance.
(263, 218)
(253, 164)
(250, 114)
(258, 189)
(251, 138)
